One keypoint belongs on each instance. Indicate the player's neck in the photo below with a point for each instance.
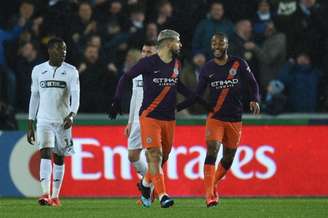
(165, 55)
(221, 61)
(54, 63)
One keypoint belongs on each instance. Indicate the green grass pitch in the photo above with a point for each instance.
(183, 208)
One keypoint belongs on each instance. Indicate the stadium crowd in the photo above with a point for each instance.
(284, 41)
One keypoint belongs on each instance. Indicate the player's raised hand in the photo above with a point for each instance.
(68, 121)
(254, 107)
(30, 133)
(114, 109)
(127, 130)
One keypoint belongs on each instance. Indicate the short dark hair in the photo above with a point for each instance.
(221, 34)
(216, 2)
(53, 41)
(150, 43)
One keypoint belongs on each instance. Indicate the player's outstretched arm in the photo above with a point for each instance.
(195, 97)
(136, 70)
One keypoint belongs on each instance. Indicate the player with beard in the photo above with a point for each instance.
(225, 75)
(161, 83)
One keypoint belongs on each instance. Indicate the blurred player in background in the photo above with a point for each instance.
(132, 130)
(54, 102)
(161, 82)
(225, 75)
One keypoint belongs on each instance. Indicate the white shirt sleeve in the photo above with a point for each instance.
(132, 104)
(75, 92)
(35, 96)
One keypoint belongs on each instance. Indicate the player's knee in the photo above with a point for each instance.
(133, 156)
(226, 163)
(154, 154)
(58, 160)
(213, 148)
(45, 153)
(210, 159)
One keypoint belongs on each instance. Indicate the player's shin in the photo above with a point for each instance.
(225, 164)
(140, 167)
(209, 171)
(156, 172)
(58, 175)
(45, 175)
(209, 167)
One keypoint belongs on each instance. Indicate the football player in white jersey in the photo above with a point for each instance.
(55, 96)
(132, 130)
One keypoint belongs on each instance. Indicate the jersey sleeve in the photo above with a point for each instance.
(251, 82)
(35, 96)
(139, 68)
(35, 82)
(133, 102)
(74, 82)
(75, 91)
(202, 82)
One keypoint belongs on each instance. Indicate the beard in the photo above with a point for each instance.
(221, 54)
(176, 53)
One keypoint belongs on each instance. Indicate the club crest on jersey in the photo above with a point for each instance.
(232, 72)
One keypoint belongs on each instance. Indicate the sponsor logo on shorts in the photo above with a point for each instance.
(53, 84)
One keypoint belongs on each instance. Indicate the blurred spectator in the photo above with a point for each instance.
(83, 24)
(189, 76)
(284, 7)
(271, 55)
(149, 34)
(237, 41)
(27, 59)
(57, 18)
(132, 57)
(137, 18)
(262, 17)
(239, 9)
(92, 73)
(7, 117)
(275, 101)
(301, 82)
(215, 22)
(305, 28)
(113, 14)
(26, 11)
(8, 76)
(164, 14)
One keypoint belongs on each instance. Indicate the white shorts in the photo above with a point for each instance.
(134, 140)
(53, 135)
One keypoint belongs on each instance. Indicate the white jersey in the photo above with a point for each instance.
(55, 86)
(136, 99)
